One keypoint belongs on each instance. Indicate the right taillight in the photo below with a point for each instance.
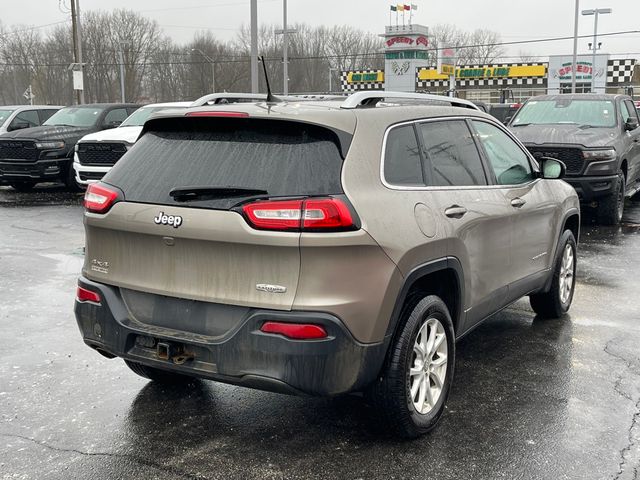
(99, 198)
(313, 215)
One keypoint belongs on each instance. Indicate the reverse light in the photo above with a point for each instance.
(606, 154)
(214, 113)
(49, 145)
(99, 198)
(317, 214)
(295, 331)
(84, 295)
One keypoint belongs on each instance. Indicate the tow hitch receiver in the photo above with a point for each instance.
(174, 353)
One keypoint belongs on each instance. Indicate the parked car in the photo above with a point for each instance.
(322, 247)
(504, 111)
(97, 152)
(45, 153)
(598, 139)
(19, 117)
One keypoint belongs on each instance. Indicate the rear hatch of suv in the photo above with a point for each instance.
(180, 228)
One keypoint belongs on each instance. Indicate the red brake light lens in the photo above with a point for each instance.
(85, 295)
(296, 331)
(218, 114)
(99, 199)
(323, 214)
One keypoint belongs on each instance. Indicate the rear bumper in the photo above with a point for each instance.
(40, 170)
(242, 356)
(592, 188)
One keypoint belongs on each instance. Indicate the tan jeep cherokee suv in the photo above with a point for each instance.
(322, 247)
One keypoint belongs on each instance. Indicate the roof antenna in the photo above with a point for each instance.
(270, 97)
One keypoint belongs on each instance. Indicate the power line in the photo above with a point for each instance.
(6, 34)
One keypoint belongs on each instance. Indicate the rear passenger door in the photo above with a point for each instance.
(472, 212)
(633, 140)
(532, 211)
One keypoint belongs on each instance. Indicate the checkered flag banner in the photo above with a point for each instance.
(620, 71)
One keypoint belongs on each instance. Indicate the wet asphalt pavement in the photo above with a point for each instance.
(531, 399)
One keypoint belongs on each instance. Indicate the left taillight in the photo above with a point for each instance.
(311, 215)
(99, 198)
(84, 295)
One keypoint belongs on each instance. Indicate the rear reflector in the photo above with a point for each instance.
(218, 114)
(323, 214)
(85, 295)
(296, 331)
(99, 198)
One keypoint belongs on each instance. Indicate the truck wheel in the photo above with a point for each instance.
(70, 180)
(610, 209)
(157, 375)
(556, 302)
(23, 186)
(414, 385)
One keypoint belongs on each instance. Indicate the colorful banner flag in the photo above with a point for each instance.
(394, 8)
(400, 7)
(414, 7)
(407, 7)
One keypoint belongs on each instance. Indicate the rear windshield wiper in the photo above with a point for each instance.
(520, 124)
(183, 194)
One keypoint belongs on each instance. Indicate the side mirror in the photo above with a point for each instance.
(631, 124)
(552, 169)
(18, 126)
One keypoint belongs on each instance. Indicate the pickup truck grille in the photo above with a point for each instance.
(18, 150)
(571, 157)
(100, 154)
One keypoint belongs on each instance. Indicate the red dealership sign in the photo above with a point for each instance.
(394, 40)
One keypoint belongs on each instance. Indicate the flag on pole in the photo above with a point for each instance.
(414, 7)
(394, 8)
(407, 7)
(400, 7)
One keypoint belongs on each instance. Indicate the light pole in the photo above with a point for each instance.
(254, 46)
(213, 67)
(595, 12)
(575, 47)
(285, 47)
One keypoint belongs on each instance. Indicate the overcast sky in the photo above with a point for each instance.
(530, 19)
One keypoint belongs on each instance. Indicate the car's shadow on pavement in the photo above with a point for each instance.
(43, 194)
(511, 380)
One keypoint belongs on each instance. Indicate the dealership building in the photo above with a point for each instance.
(409, 68)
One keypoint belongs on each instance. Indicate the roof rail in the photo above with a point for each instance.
(372, 98)
(215, 98)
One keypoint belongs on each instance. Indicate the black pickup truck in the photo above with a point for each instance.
(596, 136)
(45, 153)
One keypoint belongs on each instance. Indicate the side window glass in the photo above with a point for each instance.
(631, 109)
(115, 116)
(624, 111)
(45, 115)
(29, 117)
(509, 163)
(451, 154)
(402, 165)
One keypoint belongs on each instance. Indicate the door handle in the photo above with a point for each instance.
(518, 202)
(455, 211)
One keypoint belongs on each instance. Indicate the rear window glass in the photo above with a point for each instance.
(280, 157)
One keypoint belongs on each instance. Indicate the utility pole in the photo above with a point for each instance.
(213, 67)
(254, 46)
(285, 48)
(77, 45)
(575, 48)
(79, 33)
(121, 57)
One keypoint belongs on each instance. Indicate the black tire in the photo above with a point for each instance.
(391, 394)
(549, 304)
(23, 186)
(610, 209)
(70, 180)
(157, 375)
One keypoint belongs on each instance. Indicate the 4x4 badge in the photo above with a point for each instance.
(174, 220)
(264, 287)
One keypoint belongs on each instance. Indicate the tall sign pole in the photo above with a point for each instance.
(575, 48)
(79, 33)
(254, 46)
(285, 49)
